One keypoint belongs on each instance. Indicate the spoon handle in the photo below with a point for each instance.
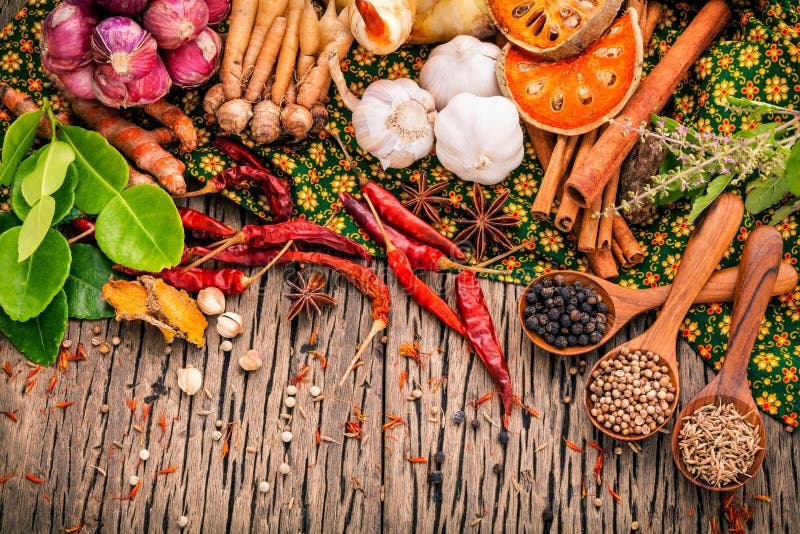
(707, 245)
(759, 268)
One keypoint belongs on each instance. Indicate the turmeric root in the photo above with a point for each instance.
(234, 115)
(19, 104)
(215, 97)
(175, 308)
(176, 120)
(266, 124)
(136, 177)
(135, 142)
(129, 299)
(163, 136)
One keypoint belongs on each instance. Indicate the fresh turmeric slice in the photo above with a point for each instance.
(176, 308)
(129, 299)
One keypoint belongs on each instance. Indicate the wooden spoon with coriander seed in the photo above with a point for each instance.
(625, 303)
(759, 269)
(657, 345)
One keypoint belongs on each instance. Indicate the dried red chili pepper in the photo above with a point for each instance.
(481, 333)
(229, 281)
(238, 255)
(275, 190)
(238, 152)
(204, 226)
(272, 235)
(397, 215)
(82, 224)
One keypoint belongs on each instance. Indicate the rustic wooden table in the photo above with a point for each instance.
(85, 456)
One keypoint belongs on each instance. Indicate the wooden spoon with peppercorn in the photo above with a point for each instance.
(639, 379)
(624, 303)
(759, 267)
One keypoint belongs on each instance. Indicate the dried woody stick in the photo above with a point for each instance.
(588, 181)
(625, 245)
(590, 224)
(555, 170)
(543, 144)
(567, 212)
(604, 230)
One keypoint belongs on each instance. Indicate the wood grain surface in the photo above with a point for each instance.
(365, 485)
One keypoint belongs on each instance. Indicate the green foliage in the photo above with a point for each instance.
(49, 172)
(84, 285)
(17, 142)
(35, 227)
(792, 171)
(39, 337)
(64, 196)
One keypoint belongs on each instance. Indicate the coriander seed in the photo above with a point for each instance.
(263, 486)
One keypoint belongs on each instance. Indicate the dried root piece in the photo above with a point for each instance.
(129, 299)
(234, 115)
(296, 121)
(177, 309)
(266, 124)
(319, 118)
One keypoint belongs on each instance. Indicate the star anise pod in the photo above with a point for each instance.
(486, 224)
(423, 199)
(307, 295)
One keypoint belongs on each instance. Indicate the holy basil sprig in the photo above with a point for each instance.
(45, 280)
(701, 165)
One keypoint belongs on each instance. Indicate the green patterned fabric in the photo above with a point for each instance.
(756, 57)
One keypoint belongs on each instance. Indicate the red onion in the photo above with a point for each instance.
(126, 47)
(174, 23)
(149, 88)
(66, 35)
(122, 7)
(79, 82)
(195, 62)
(218, 10)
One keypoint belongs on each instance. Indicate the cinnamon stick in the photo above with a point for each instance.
(543, 144)
(606, 157)
(602, 264)
(604, 231)
(590, 224)
(567, 212)
(654, 12)
(629, 251)
(641, 10)
(559, 161)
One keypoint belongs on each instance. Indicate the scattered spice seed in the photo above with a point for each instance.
(133, 480)
(96, 330)
(284, 468)
(53, 381)
(11, 415)
(481, 400)
(182, 521)
(595, 446)
(438, 457)
(503, 436)
(8, 369)
(573, 446)
(263, 486)
(315, 391)
(764, 498)
(95, 341)
(613, 493)
(634, 525)
(116, 341)
(497, 469)
(435, 477)
(34, 479)
(63, 404)
(458, 417)
(144, 455)
(475, 424)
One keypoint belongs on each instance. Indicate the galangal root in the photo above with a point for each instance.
(274, 76)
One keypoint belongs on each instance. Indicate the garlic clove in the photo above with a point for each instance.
(381, 26)
(250, 360)
(211, 301)
(229, 325)
(190, 380)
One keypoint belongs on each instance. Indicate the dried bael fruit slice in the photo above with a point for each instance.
(553, 29)
(577, 94)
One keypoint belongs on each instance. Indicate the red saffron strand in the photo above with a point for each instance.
(573, 446)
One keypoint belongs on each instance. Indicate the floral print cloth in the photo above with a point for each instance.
(756, 57)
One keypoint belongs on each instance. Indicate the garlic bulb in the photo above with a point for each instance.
(394, 119)
(463, 65)
(479, 138)
(381, 26)
(190, 380)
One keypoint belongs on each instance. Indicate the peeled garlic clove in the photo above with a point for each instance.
(382, 26)
(211, 301)
(190, 380)
(229, 325)
(250, 360)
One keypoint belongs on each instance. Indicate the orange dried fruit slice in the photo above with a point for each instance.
(553, 29)
(577, 94)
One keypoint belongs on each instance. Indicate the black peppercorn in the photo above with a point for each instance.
(435, 477)
(532, 297)
(503, 436)
(475, 424)
(559, 280)
(586, 307)
(589, 327)
(565, 320)
(543, 319)
(583, 340)
(497, 468)
(547, 515)
(552, 328)
(572, 340)
(547, 283)
(438, 457)
(575, 316)
(553, 314)
(601, 307)
(558, 301)
(591, 299)
(576, 328)
(458, 417)
(561, 342)
(531, 322)
(549, 338)
(600, 327)
(548, 292)
(577, 285)
(585, 318)
(595, 337)
(530, 310)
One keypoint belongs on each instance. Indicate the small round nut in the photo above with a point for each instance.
(634, 525)
(183, 521)
(291, 389)
(286, 436)
(229, 325)
(284, 468)
(133, 480)
(144, 454)
(289, 402)
(211, 301)
(263, 486)
(226, 345)
(250, 360)
(315, 391)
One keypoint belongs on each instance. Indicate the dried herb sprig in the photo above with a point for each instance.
(703, 164)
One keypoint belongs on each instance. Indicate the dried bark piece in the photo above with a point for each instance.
(641, 164)
(176, 308)
(129, 299)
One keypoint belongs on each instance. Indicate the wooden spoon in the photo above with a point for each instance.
(625, 303)
(705, 249)
(759, 268)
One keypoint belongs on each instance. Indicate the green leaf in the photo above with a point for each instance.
(756, 106)
(49, 173)
(89, 270)
(713, 190)
(102, 169)
(18, 141)
(64, 197)
(35, 227)
(758, 130)
(784, 211)
(140, 228)
(8, 220)
(39, 338)
(26, 288)
(765, 193)
(792, 170)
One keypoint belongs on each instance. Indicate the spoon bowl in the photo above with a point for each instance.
(760, 262)
(706, 247)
